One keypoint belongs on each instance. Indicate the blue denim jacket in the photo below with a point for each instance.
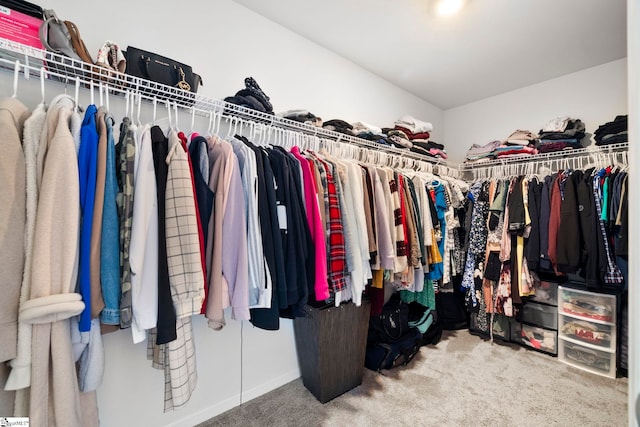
(110, 243)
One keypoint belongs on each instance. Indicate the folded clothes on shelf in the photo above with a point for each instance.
(302, 116)
(338, 125)
(414, 125)
(613, 132)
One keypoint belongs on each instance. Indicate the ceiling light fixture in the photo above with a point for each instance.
(449, 7)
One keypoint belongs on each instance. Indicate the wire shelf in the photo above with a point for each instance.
(544, 157)
(65, 69)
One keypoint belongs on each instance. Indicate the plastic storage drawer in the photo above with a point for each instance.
(545, 340)
(547, 293)
(590, 332)
(587, 358)
(540, 315)
(587, 305)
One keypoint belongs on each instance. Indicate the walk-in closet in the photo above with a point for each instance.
(241, 212)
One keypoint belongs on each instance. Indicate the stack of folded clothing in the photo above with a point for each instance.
(302, 116)
(521, 137)
(614, 132)
(480, 153)
(519, 143)
(338, 125)
(251, 97)
(370, 132)
(430, 148)
(513, 151)
(561, 133)
(409, 132)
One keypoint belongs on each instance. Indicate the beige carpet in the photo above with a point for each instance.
(463, 381)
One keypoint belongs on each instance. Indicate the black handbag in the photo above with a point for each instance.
(392, 324)
(160, 69)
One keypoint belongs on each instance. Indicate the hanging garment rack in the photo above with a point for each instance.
(613, 154)
(68, 70)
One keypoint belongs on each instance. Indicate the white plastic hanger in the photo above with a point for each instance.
(42, 88)
(155, 110)
(106, 96)
(175, 116)
(77, 92)
(91, 92)
(193, 119)
(100, 86)
(210, 127)
(16, 72)
(168, 105)
(139, 97)
(127, 98)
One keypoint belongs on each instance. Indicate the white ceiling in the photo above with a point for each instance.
(490, 47)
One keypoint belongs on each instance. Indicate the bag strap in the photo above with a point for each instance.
(398, 328)
(49, 17)
(78, 43)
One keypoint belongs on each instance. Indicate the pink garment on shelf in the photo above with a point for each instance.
(321, 285)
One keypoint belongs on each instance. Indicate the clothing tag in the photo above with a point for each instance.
(282, 217)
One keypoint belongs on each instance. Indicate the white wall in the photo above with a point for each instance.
(633, 48)
(224, 42)
(595, 96)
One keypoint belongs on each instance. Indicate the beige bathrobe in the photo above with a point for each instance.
(55, 399)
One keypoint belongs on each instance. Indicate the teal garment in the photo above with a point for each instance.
(426, 298)
(605, 200)
(110, 242)
(441, 206)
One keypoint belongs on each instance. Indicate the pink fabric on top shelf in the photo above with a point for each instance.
(321, 285)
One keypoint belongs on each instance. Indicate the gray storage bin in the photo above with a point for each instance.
(540, 315)
(500, 325)
(331, 345)
(546, 292)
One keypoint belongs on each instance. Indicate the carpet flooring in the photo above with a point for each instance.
(462, 381)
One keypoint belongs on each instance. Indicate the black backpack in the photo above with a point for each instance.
(387, 355)
(391, 341)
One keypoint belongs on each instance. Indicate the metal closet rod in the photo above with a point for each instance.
(68, 70)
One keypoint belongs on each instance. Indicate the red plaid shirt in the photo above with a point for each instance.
(336, 257)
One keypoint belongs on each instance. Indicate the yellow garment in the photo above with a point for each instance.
(434, 252)
(377, 279)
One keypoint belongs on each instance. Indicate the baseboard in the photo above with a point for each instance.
(203, 415)
(261, 389)
(234, 401)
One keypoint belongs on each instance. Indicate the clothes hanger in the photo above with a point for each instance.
(42, 85)
(139, 97)
(175, 115)
(193, 120)
(168, 105)
(210, 126)
(106, 95)
(101, 97)
(127, 99)
(155, 110)
(76, 97)
(16, 73)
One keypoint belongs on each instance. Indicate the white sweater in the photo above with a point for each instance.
(143, 252)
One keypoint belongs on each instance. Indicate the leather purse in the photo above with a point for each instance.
(160, 69)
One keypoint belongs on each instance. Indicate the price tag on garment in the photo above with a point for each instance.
(282, 217)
